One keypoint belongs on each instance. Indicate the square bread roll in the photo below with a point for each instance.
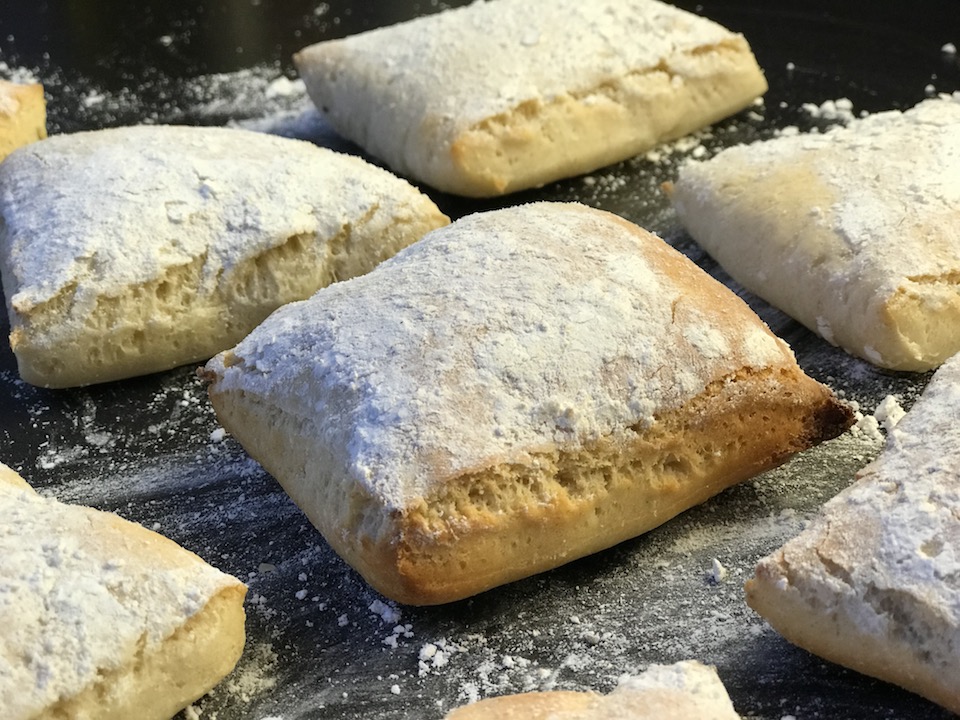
(873, 583)
(516, 390)
(23, 115)
(499, 96)
(138, 249)
(102, 618)
(686, 690)
(854, 232)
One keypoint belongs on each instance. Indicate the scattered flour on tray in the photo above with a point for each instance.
(696, 609)
(886, 415)
(254, 675)
(18, 74)
(76, 103)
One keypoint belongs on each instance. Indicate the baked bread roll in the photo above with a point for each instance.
(138, 249)
(23, 115)
(682, 691)
(517, 390)
(854, 232)
(873, 583)
(499, 96)
(101, 618)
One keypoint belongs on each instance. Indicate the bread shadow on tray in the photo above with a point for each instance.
(776, 679)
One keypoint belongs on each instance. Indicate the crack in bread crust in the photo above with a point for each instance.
(541, 140)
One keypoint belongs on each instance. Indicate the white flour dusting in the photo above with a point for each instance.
(305, 607)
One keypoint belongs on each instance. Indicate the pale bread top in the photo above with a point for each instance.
(837, 228)
(80, 590)
(109, 209)
(892, 533)
(407, 92)
(680, 691)
(504, 334)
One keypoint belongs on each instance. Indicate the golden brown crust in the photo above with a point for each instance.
(155, 685)
(148, 627)
(525, 706)
(538, 384)
(116, 263)
(497, 97)
(681, 691)
(509, 522)
(539, 142)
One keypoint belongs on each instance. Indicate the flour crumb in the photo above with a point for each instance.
(840, 110)
(886, 416)
(254, 675)
(284, 87)
(866, 427)
(434, 656)
(949, 49)
(889, 412)
(393, 639)
(92, 98)
(390, 615)
(718, 573)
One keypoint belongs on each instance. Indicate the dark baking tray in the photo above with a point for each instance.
(149, 448)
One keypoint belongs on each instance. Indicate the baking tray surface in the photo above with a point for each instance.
(321, 643)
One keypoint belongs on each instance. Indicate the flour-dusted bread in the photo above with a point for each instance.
(515, 391)
(11, 478)
(137, 249)
(499, 96)
(23, 115)
(101, 618)
(874, 582)
(686, 690)
(854, 232)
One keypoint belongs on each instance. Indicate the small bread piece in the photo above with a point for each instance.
(138, 249)
(23, 115)
(499, 96)
(517, 390)
(11, 477)
(874, 582)
(682, 691)
(854, 232)
(101, 618)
